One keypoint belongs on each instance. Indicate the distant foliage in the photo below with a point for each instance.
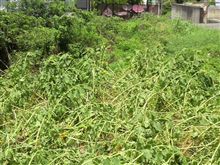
(117, 1)
(40, 8)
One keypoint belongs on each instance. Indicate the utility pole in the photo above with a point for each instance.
(159, 7)
(205, 11)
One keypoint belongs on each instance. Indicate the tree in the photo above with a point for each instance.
(40, 8)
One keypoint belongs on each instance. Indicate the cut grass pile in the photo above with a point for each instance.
(148, 94)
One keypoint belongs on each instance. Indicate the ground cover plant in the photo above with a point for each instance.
(84, 89)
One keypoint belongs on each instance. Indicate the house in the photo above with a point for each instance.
(217, 3)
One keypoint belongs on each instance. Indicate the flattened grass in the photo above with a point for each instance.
(149, 95)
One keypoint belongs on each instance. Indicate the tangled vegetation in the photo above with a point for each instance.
(84, 89)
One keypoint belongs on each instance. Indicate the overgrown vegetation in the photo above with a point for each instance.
(84, 89)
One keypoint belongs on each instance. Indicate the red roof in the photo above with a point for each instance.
(138, 8)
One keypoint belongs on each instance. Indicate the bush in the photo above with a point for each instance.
(39, 38)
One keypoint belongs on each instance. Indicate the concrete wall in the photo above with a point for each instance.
(83, 4)
(214, 12)
(187, 12)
